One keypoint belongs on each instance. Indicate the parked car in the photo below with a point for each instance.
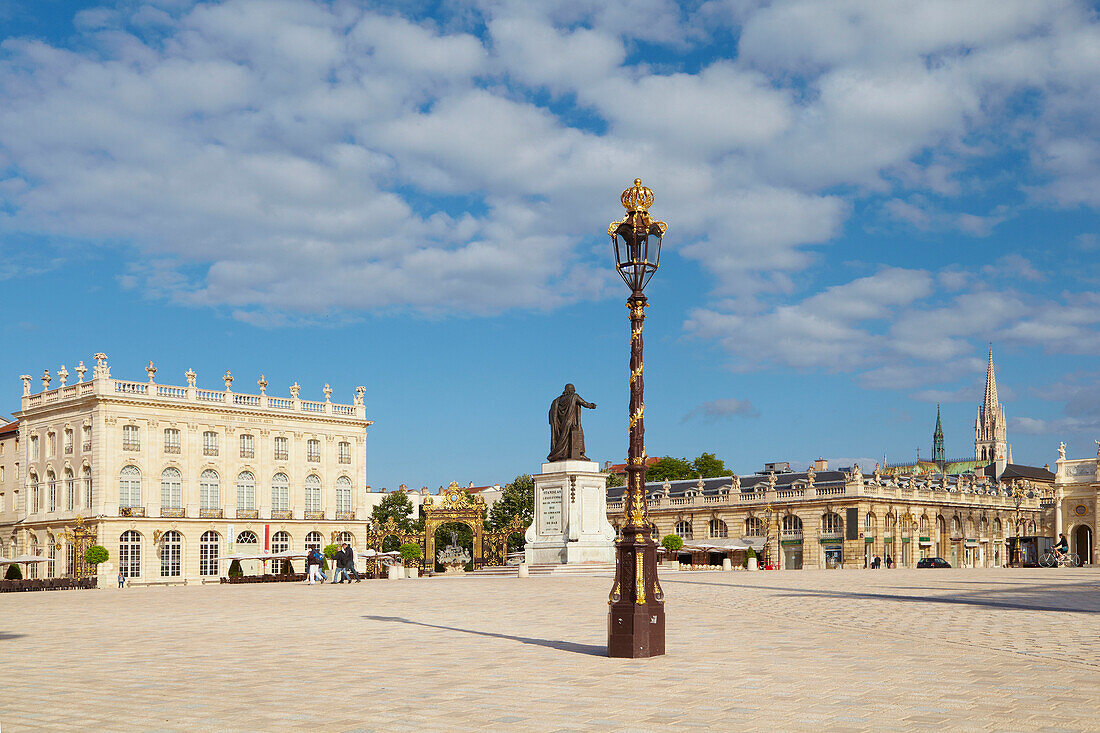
(933, 562)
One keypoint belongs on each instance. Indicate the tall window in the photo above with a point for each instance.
(34, 448)
(129, 554)
(683, 528)
(313, 541)
(831, 524)
(209, 443)
(70, 489)
(209, 490)
(924, 526)
(129, 487)
(281, 450)
(51, 488)
(280, 492)
(280, 542)
(869, 523)
(209, 545)
(246, 490)
(718, 528)
(68, 441)
(171, 554)
(131, 437)
(32, 567)
(86, 477)
(171, 440)
(792, 525)
(956, 527)
(171, 488)
(889, 524)
(51, 444)
(313, 450)
(51, 554)
(313, 493)
(754, 527)
(86, 438)
(344, 448)
(35, 496)
(247, 446)
(343, 494)
(70, 559)
(342, 537)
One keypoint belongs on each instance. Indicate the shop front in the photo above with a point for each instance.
(792, 554)
(832, 554)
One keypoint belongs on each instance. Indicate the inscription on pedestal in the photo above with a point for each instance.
(550, 511)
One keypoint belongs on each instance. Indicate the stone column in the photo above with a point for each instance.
(1059, 495)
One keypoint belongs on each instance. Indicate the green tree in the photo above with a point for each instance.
(410, 551)
(394, 505)
(96, 554)
(670, 469)
(709, 466)
(13, 573)
(517, 500)
(672, 542)
(614, 479)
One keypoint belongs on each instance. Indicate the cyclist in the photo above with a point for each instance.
(1061, 549)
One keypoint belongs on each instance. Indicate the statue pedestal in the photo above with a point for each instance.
(570, 516)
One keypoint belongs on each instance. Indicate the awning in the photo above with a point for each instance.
(726, 545)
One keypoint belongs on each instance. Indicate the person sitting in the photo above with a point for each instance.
(1061, 549)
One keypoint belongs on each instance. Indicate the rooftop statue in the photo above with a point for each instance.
(566, 435)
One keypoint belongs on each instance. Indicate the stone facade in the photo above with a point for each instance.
(963, 519)
(171, 477)
(1076, 504)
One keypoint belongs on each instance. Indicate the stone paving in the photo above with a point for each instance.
(809, 650)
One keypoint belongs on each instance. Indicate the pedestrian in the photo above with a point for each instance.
(350, 564)
(878, 562)
(313, 563)
(889, 562)
(341, 559)
(121, 578)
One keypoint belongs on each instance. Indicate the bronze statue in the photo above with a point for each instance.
(566, 435)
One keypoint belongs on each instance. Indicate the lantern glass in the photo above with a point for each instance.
(637, 254)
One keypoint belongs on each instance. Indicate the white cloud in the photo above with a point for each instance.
(715, 410)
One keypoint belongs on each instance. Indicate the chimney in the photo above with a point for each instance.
(821, 464)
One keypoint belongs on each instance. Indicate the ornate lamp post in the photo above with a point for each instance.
(768, 514)
(636, 617)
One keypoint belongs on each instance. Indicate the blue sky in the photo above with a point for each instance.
(414, 197)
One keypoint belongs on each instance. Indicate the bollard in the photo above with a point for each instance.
(523, 572)
(394, 572)
(752, 563)
(727, 564)
(412, 573)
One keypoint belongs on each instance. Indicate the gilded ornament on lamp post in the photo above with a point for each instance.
(636, 617)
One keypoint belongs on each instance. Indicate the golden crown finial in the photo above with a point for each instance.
(637, 198)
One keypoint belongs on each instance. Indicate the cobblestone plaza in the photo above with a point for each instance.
(984, 649)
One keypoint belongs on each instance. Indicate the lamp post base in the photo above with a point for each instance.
(636, 630)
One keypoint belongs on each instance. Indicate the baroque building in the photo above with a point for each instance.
(171, 478)
(825, 518)
(1076, 504)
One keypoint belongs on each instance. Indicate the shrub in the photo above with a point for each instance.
(331, 550)
(410, 551)
(672, 542)
(96, 554)
(235, 569)
(14, 573)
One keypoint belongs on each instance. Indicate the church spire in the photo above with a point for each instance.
(990, 386)
(939, 453)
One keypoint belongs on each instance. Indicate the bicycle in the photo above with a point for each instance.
(1053, 559)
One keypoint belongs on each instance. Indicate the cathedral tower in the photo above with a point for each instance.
(939, 454)
(990, 436)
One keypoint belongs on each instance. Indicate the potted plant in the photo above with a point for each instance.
(672, 543)
(234, 570)
(13, 573)
(410, 551)
(750, 559)
(330, 554)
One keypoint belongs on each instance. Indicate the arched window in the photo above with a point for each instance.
(51, 487)
(683, 528)
(246, 490)
(70, 559)
(342, 537)
(247, 538)
(209, 552)
(36, 495)
(86, 479)
(171, 554)
(754, 527)
(280, 492)
(171, 488)
(313, 541)
(970, 528)
(924, 526)
(792, 525)
(343, 494)
(70, 489)
(129, 487)
(890, 521)
(129, 553)
(51, 553)
(313, 493)
(280, 542)
(32, 567)
(997, 527)
(869, 523)
(956, 527)
(718, 528)
(209, 491)
(941, 526)
(831, 524)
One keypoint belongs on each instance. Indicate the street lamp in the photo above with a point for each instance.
(636, 614)
(768, 512)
